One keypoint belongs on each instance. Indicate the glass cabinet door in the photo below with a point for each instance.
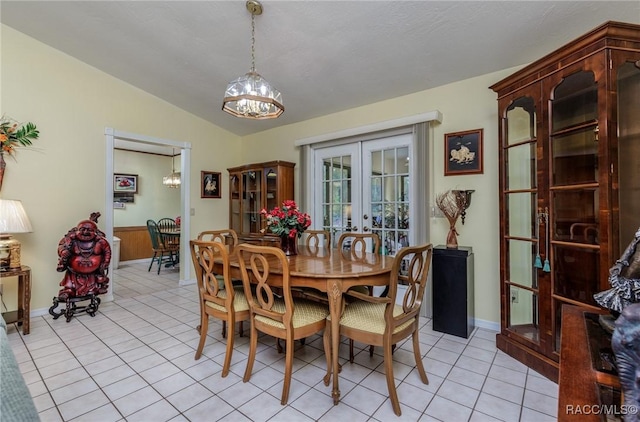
(252, 201)
(520, 203)
(234, 198)
(627, 81)
(271, 190)
(574, 189)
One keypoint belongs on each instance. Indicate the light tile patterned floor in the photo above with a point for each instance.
(134, 361)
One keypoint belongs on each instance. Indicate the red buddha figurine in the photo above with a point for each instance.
(85, 255)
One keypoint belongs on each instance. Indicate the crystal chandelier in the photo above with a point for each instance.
(173, 179)
(251, 96)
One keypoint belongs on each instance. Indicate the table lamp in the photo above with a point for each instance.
(13, 219)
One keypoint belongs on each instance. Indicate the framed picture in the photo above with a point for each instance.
(125, 183)
(463, 152)
(210, 185)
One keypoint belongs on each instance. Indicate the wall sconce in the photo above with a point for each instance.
(465, 199)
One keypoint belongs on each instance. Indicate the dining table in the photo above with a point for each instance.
(333, 271)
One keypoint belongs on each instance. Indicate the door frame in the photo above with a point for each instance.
(185, 199)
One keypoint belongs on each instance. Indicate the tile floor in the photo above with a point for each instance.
(134, 361)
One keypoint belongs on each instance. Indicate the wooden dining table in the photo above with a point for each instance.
(332, 271)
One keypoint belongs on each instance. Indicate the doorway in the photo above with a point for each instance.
(143, 141)
(364, 187)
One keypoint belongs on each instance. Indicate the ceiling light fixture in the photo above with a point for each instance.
(251, 96)
(172, 180)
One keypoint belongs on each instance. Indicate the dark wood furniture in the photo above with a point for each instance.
(334, 272)
(586, 381)
(453, 296)
(22, 314)
(254, 187)
(569, 142)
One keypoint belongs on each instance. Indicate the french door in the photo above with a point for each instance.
(364, 187)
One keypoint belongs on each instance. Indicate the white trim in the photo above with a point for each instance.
(375, 127)
(185, 192)
(487, 325)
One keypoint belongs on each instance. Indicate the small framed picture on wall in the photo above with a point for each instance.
(125, 183)
(463, 153)
(210, 184)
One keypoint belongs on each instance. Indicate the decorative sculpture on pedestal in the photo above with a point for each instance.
(453, 204)
(85, 255)
(624, 278)
(622, 299)
(625, 343)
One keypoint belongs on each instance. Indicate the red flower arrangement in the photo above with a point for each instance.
(288, 220)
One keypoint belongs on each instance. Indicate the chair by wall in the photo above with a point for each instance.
(225, 302)
(379, 321)
(283, 318)
(163, 253)
(169, 225)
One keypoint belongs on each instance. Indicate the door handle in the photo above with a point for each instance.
(354, 228)
(365, 229)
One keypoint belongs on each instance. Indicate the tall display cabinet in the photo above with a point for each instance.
(569, 184)
(254, 187)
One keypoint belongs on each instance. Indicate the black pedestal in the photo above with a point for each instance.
(453, 308)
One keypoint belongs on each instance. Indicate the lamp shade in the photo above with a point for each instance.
(13, 218)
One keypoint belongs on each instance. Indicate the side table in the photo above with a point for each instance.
(21, 316)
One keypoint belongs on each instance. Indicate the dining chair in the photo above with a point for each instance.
(163, 253)
(283, 318)
(380, 321)
(316, 239)
(168, 225)
(356, 245)
(224, 236)
(227, 302)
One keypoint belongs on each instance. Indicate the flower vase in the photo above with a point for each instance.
(289, 245)
(3, 164)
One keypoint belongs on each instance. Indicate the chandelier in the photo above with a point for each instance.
(251, 96)
(173, 179)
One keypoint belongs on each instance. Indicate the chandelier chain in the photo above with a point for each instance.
(253, 42)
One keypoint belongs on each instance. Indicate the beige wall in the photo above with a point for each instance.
(465, 105)
(61, 180)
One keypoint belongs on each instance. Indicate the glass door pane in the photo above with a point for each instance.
(386, 191)
(338, 170)
(574, 186)
(521, 230)
(251, 219)
(628, 94)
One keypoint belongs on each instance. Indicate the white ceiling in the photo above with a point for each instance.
(324, 56)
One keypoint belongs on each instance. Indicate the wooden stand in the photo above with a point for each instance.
(21, 316)
(586, 381)
(453, 307)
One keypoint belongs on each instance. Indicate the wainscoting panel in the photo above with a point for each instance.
(134, 242)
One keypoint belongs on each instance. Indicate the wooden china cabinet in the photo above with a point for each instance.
(569, 158)
(254, 187)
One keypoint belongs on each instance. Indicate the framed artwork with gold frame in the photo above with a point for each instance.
(463, 153)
